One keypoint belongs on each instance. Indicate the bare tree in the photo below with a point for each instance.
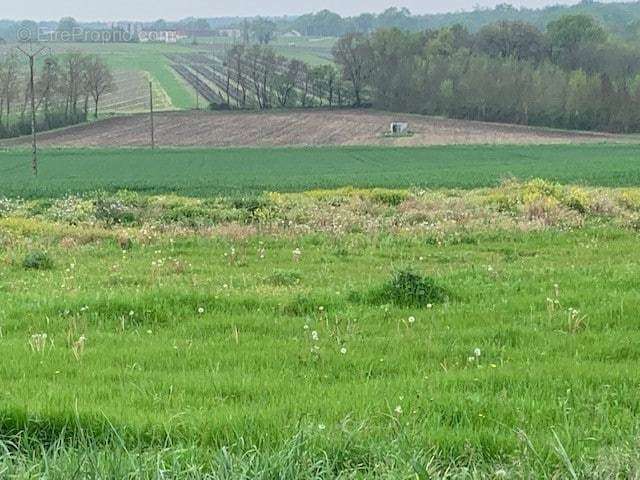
(285, 80)
(47, 87)
(353, 53)
(98, 80)
(261, 62)
(255, 69)
(228, 66)
(236, 61)
(268, 60)
(307, 80)
(8, 83)
(330, 76)
(74, 64)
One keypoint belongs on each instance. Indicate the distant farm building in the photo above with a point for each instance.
(398, 128)
(292, 34)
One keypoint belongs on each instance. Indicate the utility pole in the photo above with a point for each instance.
(153, 140)
(32, 92)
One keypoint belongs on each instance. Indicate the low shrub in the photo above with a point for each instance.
(577, 199)
(407, 288)
(392, 198)
(37, 260)
(114, 212)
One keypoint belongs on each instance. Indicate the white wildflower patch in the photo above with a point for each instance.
(77, 348)
(38, 342)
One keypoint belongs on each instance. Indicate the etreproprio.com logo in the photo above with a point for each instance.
(25, 34)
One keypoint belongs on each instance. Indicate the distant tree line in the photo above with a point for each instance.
(619, 18)
(68, 89)
(570, 76)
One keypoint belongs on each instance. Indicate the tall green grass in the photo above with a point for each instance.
(188, 346)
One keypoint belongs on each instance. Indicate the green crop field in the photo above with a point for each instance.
(251, 171)
(458, 312)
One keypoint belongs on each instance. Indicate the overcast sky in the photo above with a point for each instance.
(86, 10)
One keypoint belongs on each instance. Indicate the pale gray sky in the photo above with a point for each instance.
(87, 10)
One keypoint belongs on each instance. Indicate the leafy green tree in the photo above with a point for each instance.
(321, 24)
(571, 32)
(263, 30)
(69, 29)
(512, 39)
(159, 25)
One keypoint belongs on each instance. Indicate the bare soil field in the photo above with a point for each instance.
(300, 128)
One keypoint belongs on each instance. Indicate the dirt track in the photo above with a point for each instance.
(319, 127)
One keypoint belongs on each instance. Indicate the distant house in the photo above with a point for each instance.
(292, 34)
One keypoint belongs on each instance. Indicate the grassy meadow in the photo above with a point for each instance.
(485, 332)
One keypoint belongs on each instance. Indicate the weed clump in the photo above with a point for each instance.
(407, 288)
(284, 278)
(37, 260)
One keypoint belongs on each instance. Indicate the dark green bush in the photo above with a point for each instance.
(393, 198)
(37, 260)
(406, 288)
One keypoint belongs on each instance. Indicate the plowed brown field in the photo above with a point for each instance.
(315, 127)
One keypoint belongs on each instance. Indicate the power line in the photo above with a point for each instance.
(153, 140)
(32, 90)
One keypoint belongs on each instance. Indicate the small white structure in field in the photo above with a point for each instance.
(398, 128)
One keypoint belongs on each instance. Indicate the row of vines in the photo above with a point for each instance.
(256, 78)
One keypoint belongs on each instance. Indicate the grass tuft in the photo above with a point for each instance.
(407, 288)
(284, 278)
